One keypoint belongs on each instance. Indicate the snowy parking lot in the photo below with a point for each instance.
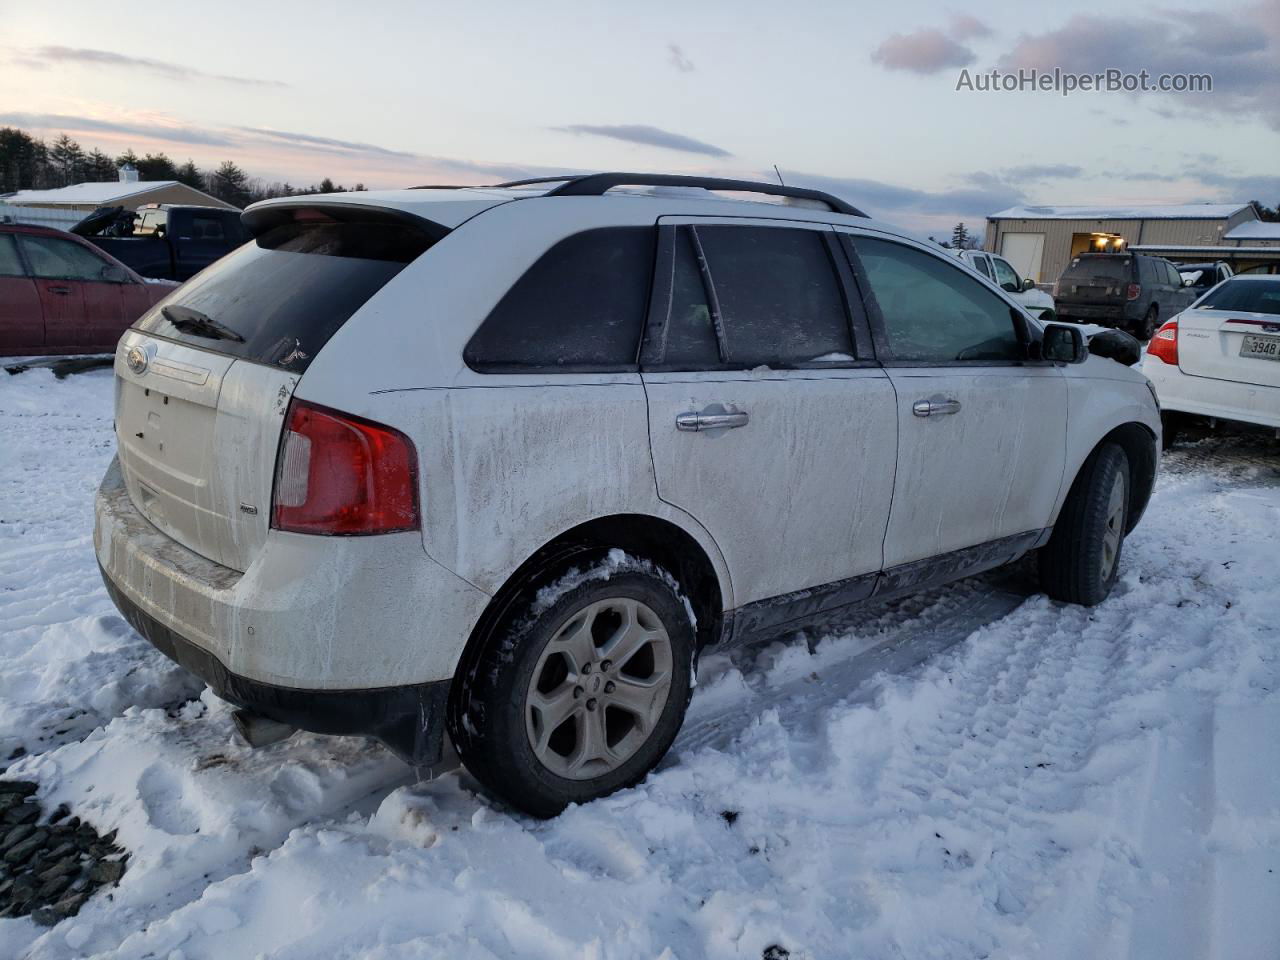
(975, 772)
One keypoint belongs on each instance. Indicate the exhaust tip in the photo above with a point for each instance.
(259, 731)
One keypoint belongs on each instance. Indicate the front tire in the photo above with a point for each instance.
(580, 697)
(1081, 561)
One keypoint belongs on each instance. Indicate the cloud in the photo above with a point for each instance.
(677, 59)
(175, 133)
(1238, 46)
(966, 27)
(923, 51)
(1265, 188)
(889, 201)
(648, 136)
(42, 56)
(1025, 174)
(324, 143)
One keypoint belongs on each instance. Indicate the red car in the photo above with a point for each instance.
(60, 294)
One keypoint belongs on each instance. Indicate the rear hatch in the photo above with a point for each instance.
(1097, 280)
(1233, 333)
(204, 379)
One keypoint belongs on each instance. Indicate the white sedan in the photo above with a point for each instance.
(1220, 358)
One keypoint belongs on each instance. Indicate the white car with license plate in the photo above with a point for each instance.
(1220, 358)
(497, 463)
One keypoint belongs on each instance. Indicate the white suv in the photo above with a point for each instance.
(500, 462)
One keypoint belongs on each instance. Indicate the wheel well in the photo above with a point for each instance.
(1139, 445)
(655, 539)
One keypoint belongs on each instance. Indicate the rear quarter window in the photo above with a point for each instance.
(579, 308)
(279, 299)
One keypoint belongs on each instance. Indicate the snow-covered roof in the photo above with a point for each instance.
(1254, 230)
(111, 191)
(1163, 211)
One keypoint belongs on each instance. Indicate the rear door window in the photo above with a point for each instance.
(278, 299)
(10, 262)
(580, 308)
(749, 296)
(933, 312)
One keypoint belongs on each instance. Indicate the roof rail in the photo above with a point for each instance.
(596, 184)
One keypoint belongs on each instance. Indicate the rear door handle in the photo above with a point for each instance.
(62, 291)
(711, 421)
(935, 407)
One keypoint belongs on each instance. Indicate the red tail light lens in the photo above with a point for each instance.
(1164, 344)
(338, 475)
(1134, 291)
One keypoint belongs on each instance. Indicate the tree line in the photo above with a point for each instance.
(29, 163)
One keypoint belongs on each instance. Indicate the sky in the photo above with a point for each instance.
(859, 99)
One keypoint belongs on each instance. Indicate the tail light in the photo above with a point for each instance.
(1164, 344)
(1134, 291)
(339, 475)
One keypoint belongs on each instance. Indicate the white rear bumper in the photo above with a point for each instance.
(1207, 397)
(319, 613)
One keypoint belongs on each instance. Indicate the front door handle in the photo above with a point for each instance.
(63, 291)
(935, 407)
(711, 421)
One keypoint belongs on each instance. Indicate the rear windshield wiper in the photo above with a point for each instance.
(197, 323)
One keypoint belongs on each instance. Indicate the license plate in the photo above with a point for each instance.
(1264, 348)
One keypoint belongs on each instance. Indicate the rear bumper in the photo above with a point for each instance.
(331, 634)
(1207, 397)
(409, 720)
(1104, 314)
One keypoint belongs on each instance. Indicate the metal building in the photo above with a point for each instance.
(1041, 240)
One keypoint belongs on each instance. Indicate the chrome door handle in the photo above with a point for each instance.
(935, 407)
(711, 421)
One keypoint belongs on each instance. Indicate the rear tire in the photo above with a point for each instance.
(1146, 328)
(1081, 561)
(574, 700)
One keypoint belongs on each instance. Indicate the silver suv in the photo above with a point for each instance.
(500, 462)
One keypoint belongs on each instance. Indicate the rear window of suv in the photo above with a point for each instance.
(1100, 267)
(278, 299)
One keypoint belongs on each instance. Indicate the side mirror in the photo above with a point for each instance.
(1188, 281)
(1116, 345)
(1028, 284)
(1063, 344)
(113, 274)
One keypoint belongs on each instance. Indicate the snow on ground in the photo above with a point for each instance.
(977, 772)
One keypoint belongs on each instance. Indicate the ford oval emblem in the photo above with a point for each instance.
(136, 360)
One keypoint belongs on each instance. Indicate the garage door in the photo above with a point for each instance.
(1024, 251)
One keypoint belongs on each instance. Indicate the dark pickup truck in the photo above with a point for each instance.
(164, 240)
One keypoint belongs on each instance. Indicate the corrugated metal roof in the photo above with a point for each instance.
(111, 191)
(1255, 230)
(1169, 211)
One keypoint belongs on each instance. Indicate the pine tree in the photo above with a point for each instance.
(128, 158)
(230, 183)
(327, 186)
(98, 167)
(960, 237)
(156, 166)
(190, 174)
(67, 159)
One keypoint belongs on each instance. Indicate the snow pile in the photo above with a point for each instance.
(974, 772)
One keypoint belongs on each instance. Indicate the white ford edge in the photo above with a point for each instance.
(1220, 358)
(498, 463)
